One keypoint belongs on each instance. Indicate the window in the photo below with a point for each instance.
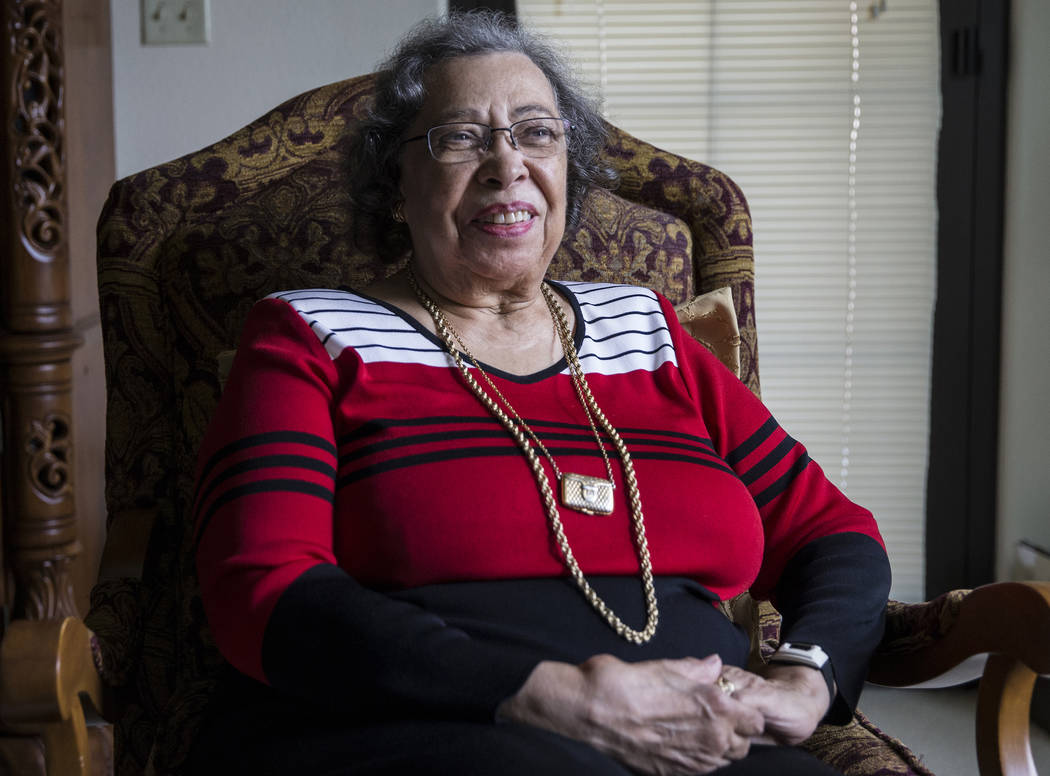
(826, 113)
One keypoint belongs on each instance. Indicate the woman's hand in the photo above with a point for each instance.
(792, 700)
(657, 717)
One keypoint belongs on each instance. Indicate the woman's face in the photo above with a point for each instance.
(454, 211)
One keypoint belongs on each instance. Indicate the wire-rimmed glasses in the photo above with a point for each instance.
(466, 141)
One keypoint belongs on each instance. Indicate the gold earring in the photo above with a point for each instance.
(399, 211)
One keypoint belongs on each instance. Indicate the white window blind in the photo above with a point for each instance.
(827, 116)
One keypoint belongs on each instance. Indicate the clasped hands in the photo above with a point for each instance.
(671, 716)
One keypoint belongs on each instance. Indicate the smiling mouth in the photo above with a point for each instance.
(513, 217)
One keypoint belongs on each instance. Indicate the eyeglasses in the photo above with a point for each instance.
(467, 141)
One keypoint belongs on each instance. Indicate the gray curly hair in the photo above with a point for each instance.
(400, 94)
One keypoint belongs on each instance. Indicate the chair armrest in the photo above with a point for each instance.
(117, 604)
(1007, 621)
(47, 673)
(1005, 618)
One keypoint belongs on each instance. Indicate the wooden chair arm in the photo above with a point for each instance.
(1005, 618)
(1009, 622)
(47, 672)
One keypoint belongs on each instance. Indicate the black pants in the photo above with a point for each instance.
(442, 749)
(254, 729)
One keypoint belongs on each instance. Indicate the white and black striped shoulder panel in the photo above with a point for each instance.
(625, 328)
(341, 320)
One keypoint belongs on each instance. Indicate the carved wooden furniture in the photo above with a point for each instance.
(36, 339)
(56, 154)
(185, 249)
(49, 679)
(37, 508)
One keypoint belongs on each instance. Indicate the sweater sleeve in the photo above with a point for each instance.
(824, 563)
(280, 608)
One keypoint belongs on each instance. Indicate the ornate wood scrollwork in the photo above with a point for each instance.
(37, 507)
(36, 341)
(48, 592)
(39, 511)
(37, 291)
(48, 447)
(38, 124)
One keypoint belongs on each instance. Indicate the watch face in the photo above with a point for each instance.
(800, 653)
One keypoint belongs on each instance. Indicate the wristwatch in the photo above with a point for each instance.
(801, 653)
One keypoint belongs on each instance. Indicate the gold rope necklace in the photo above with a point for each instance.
(591, 495)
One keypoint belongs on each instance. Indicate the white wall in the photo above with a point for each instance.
(1024, 442)
(171, 100)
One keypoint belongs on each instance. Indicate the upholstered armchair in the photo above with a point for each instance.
(187, 247)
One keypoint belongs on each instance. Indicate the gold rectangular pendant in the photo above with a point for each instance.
(590, 495)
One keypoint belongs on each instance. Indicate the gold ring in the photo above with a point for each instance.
(725, 685)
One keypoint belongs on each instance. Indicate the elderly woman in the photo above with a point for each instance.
(473, 520)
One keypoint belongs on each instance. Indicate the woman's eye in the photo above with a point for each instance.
(459, 138)
(536, 134)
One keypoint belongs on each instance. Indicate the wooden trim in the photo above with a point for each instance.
(961, 481)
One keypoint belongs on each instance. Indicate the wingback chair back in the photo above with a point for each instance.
(186, 248)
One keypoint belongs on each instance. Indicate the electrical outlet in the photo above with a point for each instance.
(166, 22)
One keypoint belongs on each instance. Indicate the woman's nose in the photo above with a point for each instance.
(503, 162)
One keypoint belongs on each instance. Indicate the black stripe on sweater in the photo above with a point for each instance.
(262, 486)
(268, 438)
(439, 456)
(781, 484)
(771, 459)
(266, 462)
(750, 444)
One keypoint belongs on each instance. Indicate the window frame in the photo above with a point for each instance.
(964, 416)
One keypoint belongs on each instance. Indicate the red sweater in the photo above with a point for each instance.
(347, 438)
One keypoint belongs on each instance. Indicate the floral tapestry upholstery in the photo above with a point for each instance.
(187, 247)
